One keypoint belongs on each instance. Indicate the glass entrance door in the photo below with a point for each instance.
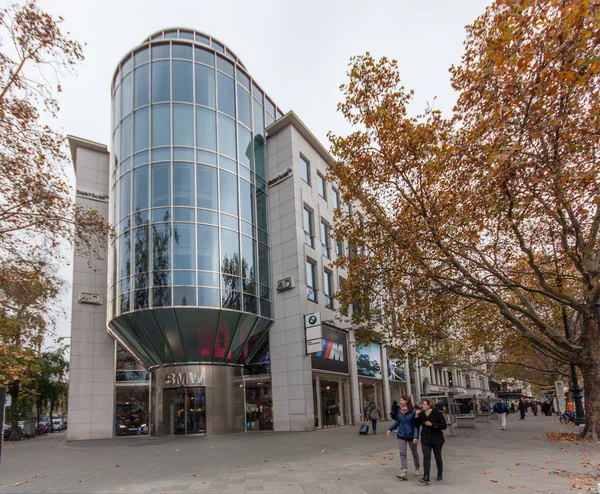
(188, 410)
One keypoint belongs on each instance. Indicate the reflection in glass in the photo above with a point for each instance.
(263, 264)
(208, 279)
(209, 297)
(141, 127)
(125, 199)
(132, 410)
(205, 86)
(141, 299)
(230, 253)
(225, 87)
(183, 82)
(206, 129)
(259, 120)
(161, 184)
(124, 255)
(208, 248)
(161, 81)
(161, 125)
(229, 193)
(161, 297)
(183, 125)
(259, 156)
(161, 252)
(248, 264)
(243, 107)
(183, 246)
(247, 201)
(261, 210)
(227, 326)
(140, 239)
(227, 145)
(206, 178)
(245, 147)
(140, 188)
(184, 295)
(183, 184)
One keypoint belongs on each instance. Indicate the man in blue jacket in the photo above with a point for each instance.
(408, 434)
(501, 409)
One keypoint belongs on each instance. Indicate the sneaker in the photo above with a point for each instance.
(425, 481)
(417, 472)
(439, 477)
(402, 475)
(503, 428)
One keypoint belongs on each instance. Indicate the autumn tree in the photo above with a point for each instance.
(494, 211)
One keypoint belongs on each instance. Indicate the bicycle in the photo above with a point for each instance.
(567, 417)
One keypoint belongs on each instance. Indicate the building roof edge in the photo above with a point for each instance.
(79, 142)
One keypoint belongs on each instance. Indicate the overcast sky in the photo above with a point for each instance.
(297, 51)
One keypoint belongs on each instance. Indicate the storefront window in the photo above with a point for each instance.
(259, 407)
(132, 410)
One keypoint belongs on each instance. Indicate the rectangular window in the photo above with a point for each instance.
(311, 285)
(325, 239)
(336, 199)
(339, 247)
(328, 289)
(305, 169)
(309, 236)
(321, 186)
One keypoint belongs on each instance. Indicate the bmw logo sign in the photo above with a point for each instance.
(312, 319)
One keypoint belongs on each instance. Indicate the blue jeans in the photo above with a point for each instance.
(374, 423)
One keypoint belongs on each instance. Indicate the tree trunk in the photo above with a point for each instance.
(51, 416)
(14, 425)
(591, 382)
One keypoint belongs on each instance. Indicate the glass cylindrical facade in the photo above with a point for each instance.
(189, 202)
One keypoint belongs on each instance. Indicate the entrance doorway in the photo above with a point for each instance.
(188, 410)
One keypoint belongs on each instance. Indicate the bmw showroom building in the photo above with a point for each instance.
(196, 320)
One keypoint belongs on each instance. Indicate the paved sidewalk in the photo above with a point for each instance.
(480, 460)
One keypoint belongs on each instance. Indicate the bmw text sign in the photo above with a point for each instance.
(333, 355)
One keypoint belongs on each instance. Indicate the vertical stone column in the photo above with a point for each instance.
(407, 377)
(357, 394)
(387, 404)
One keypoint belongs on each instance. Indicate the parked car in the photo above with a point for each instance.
(58, 425)
(8, 431)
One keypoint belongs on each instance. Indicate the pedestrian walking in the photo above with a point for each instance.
(534, 409)
(432, 423)
(522, 409)
(501, 410)
(394, 410)
(407, 434)
(374, 416)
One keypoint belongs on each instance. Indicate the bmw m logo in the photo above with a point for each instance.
(312, 319)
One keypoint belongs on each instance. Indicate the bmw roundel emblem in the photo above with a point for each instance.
(312, 319)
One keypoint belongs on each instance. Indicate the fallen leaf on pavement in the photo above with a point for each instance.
(494, 481)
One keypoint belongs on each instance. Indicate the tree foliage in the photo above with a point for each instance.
(490, 214)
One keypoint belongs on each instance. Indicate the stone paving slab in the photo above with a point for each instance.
(481, 460)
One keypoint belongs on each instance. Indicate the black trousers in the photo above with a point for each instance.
(437, 452)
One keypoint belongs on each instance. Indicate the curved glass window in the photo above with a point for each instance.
(184, 246)
(205, 56)
(208, 248)
(183, 82)
(246, 201)
(161, 184)
(206, 179)
(140, 188)
(225, 66)
(161, 51)
(259, 120)
(206, 129)
(161, 125)
(261, 210)
(161, 252)
(140, 158)
(161, 81)
(183, 125)
(259, 156)
(183, 184)
(227, 143)
(182, 51)
(141, 130)
(230, 252)
(125, 199)
(141, 56)
(209, 297)
(228, 193)
(205, 86)
(118, 104)
(244, 107)
(245, 146)
(127, 88)
(248, 264)
(226, 94)
(126, 137)
(124, 255)
(140, 255)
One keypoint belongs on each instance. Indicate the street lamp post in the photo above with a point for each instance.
(575, 389)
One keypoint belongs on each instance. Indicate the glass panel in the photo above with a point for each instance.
(124, 255)
(140, 255)
(184, 278)
(161, 251)
(161, 297)
(141, 135)
(127, 89)
(261, 210)
(125, 200)
(248, 264)
(208, 297)
(183, 184)
(161, 278)
(245, 147)
(206, 129)
(247, 201)
(206, 157)
(183, 82)
(243, 79)
(259, 156)
(227, 144)
(183, 214)
(257, 93)
(225, 66)
(161, 154)
(208, 279)
(161, 214)
(132, 410)
(206, 180)
(245, 173)
(183, 246)
(161, 81)
(141, 299)
(231, 300)
(166, 322)
(208, 248)
(184, 295)
(248, 229)
(141, 56)
(161, 126)
(227, 326)
(207, 323)
(269, 120)
(259, 121)
(161, 184)
(182, 51)
(141, 280)
(186, 35)
(126, 137)
(304, 170)
(226, 94)
(230, 252)
(229, 222)
(229, 193)
(270, 107)
(125, 166)
(254, 339)
(245, 327)
(218, 46)
(146, 321)
(207, 217)
(184, 154)
(183, 125)
(171, 35)
(186, 320)
(204, 56)
(161, 51)
(263, 264)
(244, 107)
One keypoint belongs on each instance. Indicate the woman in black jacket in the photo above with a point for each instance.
(432, 422)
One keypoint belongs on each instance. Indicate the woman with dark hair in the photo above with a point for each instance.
(432, 422)
(408, 434)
